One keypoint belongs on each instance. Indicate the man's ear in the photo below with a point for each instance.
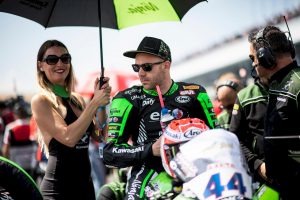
(167, 64)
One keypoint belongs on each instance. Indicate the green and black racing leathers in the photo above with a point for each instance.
(135, 117)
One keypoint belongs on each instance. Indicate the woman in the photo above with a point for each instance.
(66, 124)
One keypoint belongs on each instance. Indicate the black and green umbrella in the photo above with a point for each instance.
(115, 14)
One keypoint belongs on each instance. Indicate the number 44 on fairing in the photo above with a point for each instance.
(218, 184)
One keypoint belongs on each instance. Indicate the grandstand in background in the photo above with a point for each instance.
(205, 68)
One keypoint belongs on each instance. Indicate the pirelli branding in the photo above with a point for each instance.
(191, 87)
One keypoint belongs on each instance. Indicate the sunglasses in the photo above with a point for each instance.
(147, 67)
(53, 59)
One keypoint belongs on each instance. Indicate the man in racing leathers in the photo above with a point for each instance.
(135, 115)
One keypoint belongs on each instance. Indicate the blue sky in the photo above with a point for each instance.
(203, 26)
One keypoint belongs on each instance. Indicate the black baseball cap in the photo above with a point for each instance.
(153, 46)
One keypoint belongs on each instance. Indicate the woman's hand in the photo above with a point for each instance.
(102, 96)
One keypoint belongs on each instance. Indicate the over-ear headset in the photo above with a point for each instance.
(264, 54)
(229, 83)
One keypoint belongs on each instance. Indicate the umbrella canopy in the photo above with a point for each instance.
(116, 14)
(119, 80)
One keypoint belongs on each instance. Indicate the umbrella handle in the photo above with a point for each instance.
(102, 82)
(101, 46)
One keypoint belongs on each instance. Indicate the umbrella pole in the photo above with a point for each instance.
(101, 46)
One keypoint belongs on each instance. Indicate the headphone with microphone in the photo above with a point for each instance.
(235, 86)
(265, 54)
(290, 40)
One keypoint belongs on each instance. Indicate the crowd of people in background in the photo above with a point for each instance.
(18, 136)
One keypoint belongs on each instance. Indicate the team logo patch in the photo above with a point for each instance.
(133, 90)
(282, 99)
(191, 87)
(112, 134)
(187, 92)
(155, 116)
(110, 127)
(192, 133)
(114, 111)
(148, 102)
(234, 112)
(138, 97)
(236, 107)
(183, 99)
(287, 85)
(114, 119)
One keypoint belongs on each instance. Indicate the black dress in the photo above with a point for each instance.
(68, 174)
